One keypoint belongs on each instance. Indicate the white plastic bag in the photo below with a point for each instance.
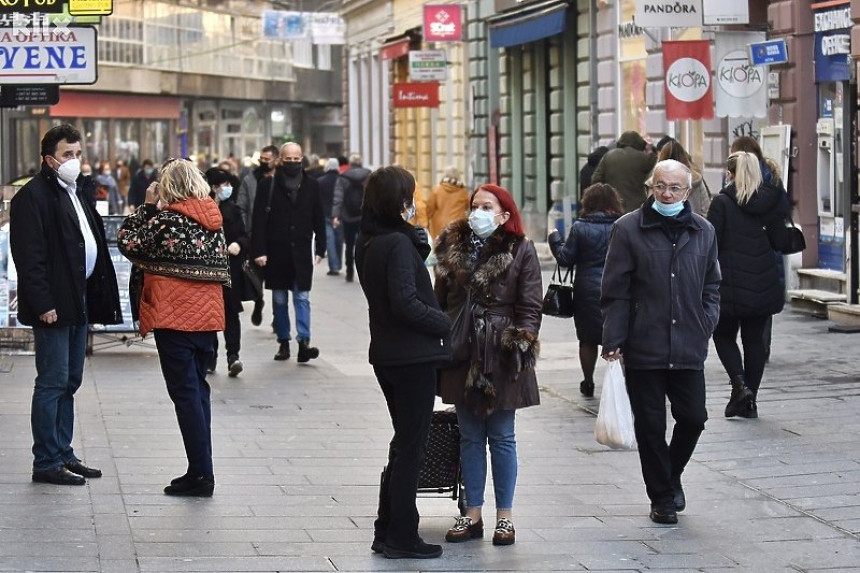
(614, 427)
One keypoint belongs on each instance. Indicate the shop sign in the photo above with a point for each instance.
(668, 13)
(428, 65)
(741, 88)
(327, 28)
(31, 6)
(833, 45)
(15, 95)
(285, 25)
(443, 23)
(687, 76)
(90, 7)
(721, 12)
(48, 56)
(416, 94)
(766, 53)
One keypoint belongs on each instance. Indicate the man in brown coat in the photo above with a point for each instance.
(626, 168)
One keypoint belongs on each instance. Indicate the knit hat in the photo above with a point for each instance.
(216, 176)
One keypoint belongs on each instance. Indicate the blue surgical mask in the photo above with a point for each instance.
(669, 210)
(225, 193)
(483, 223)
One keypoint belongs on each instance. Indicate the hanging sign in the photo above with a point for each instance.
(833, 44)
(669, 13)
(740, 89)
(90, 7)
(327, 28)
(31, 6)
(687, 76)
(48, 56)
(285, 25)
(416, 94)
(39, 95)
(720, 12)
(443, 23)
(428, 65)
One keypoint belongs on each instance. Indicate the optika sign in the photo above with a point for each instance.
(442, 23)
(56, 56)
(688, 80)
(737, 77)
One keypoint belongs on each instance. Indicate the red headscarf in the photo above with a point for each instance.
(514, 224)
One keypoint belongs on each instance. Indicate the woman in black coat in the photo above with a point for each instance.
(408, 333)
(751, 290)
(585, 249)
(223, 185)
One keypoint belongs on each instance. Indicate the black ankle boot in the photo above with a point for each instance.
(283, 351)
(741, 398)
(586, 388)
(307, 352)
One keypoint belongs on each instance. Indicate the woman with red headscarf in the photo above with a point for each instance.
(487, 262)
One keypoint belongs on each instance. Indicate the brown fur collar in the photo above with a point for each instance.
(454, 247)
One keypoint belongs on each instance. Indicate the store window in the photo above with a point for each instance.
(632, 77)
(126, 141)
(96, 141)
(156, 140)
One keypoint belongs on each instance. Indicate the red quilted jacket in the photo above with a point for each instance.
(175, 302)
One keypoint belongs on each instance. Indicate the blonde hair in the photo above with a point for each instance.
(746, 174)
(179, 180)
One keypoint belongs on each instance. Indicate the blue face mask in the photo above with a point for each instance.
(483, 223)
(668, 210)
(225, 193)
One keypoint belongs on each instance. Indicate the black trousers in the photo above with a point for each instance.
(183, 357)
(232, 335)
(409, 393)
(350, 232)
(753, 336)
(662, 463)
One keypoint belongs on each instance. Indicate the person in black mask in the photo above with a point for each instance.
(287, 218)
(245, 202)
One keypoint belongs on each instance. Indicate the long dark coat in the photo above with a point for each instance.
(751, 284)
(507, 294)
(234, 232)
(585, 249)
(48, 248)
(289, 231)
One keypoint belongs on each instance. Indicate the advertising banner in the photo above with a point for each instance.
(443, 23)
(285, 25)
(687, 76)
(720, 12)
(428, 65)
(740, 89)
(48, 55)
(412, 94)
(669, 13)
(833, 44)
(327, 28)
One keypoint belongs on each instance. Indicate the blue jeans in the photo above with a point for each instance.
(60, 355)
(184, 357)
(334, 245)
(475, 433)
(302, 307)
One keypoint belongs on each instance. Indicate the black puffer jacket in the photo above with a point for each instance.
(660, 300)
(751, 284)
(406, 324)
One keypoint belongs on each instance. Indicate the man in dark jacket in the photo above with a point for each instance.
(333, 235)
(660, 302)
(346, 208)
(66, 280)
(288, 225)
(626, 168)
(144, 177)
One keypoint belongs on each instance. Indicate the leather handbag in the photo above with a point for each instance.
(785, 237)
(252, 279)
(461, 332)
(558, 300)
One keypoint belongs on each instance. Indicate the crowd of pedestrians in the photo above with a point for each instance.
(660, 264)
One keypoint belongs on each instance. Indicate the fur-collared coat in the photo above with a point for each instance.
(506, 297)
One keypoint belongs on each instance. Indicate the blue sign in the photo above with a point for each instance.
(770, 52)
(833, 44)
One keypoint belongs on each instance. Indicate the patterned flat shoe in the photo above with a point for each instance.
(505, 534)
(464, 530)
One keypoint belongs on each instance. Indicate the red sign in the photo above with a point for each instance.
(443, 23)
(394, 50)
(412, 94)
(687, 77)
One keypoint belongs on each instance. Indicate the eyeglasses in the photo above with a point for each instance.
(673, 189)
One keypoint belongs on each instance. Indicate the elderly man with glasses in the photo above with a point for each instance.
(660, 303)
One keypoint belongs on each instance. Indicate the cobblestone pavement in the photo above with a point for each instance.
(299, 449)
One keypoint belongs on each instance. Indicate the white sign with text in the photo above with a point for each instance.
(48, 55)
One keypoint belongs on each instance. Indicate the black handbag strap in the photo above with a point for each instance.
(558, 279)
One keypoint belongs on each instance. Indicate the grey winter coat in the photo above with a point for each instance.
(660, 301)
(357, 175)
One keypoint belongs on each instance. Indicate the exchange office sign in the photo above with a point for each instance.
(48, 55)
(31, 6)
(668, 13)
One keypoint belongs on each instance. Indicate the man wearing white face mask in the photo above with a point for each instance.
(66, 280)
(660, 301)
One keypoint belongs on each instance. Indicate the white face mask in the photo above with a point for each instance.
(409, 213)
(225, 193)
(69, 170)
(483, 223)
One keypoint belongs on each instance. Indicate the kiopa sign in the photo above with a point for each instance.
(443, 23)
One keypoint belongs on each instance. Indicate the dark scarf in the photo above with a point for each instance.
(371, 227)
(672, 227)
